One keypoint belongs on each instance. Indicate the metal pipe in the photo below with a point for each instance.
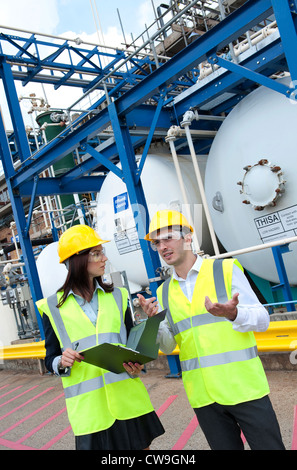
(186, 125)
(223, 15)
(183, 190)
(77, 41)
(12, 224)
(283, 241)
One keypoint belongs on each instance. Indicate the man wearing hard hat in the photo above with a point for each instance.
(211, 314)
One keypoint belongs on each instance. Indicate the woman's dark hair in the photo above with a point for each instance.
(77, 278)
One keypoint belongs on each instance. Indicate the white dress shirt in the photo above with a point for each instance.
(251, 315)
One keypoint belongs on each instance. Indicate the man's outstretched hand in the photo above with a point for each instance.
(149, 306)
(228, 310)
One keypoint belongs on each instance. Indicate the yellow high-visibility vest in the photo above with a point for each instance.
(95, 397)
(218, 363)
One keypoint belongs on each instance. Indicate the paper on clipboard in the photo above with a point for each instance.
(141, 347)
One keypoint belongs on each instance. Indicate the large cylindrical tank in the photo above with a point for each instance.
(250, 180)
(115, 219)
(55, 125)
(52, 274)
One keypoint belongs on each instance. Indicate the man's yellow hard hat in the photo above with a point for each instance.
(166, 218)
(76, 239)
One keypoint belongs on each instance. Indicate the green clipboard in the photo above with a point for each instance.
(141, 347)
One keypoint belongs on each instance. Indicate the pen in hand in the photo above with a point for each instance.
(80, 358)
(71, 355)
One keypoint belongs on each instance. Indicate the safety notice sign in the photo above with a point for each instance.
(277, 225)
(127, 241)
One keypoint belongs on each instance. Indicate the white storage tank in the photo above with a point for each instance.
(52, 274)
(250, 180)
(115, 219)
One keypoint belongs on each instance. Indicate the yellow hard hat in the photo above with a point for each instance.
(166, 218)
(76, 239)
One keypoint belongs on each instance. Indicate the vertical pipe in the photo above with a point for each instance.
(201, 188)
(183, 191)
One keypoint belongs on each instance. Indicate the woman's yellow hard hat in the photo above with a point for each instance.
(76, 239)
(166, 218)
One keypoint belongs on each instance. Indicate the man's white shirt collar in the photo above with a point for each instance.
(196, 267)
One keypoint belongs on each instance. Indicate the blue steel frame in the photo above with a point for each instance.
(129, 109)
(29, 55)
(284, 281)
(21, 223)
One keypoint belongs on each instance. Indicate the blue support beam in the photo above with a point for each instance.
(251, 75)
(150, 137)
(21, 224)
(67, 141)
(282, 274)
(71, 72)
(102, 160)
(285, 12)
(15, 111)
(105, 152)
(5, 154)
(135, 191)
(46, 186)
(28, 55)
(60, 146)
(229, 81)
(32, 202)
(27, 251)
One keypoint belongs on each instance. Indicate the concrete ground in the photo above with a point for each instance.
(33, 417)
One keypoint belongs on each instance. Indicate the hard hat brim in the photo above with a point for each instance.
(61, 260)
(150, 236)
(164, 219)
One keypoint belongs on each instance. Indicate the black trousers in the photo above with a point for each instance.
(222, 425)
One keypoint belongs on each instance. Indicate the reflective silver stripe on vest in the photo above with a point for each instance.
(197, 320)
(94, 384)
(111, 378)
(205, 319)
(219, 359)
(84, 387)
(52, 305)
(91, 340)
(190, 364)
(117, 295)
(165, 301)
(219, 281)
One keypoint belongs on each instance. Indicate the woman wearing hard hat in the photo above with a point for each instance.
(107, 411)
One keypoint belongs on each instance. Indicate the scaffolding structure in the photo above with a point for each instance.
(192, 61)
